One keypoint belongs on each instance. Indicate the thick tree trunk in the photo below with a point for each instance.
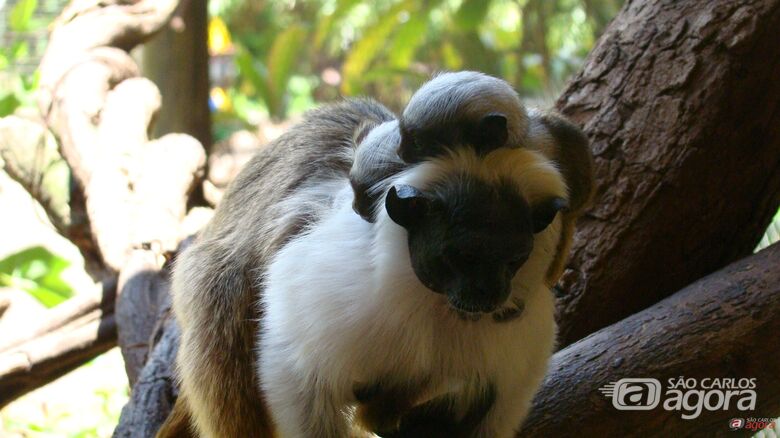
(177, 61)
(723, 326)
(682, 104)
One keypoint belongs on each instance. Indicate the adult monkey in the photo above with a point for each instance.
(290, 187)
(484, 113)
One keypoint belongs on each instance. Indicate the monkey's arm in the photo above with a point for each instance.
(565, 144)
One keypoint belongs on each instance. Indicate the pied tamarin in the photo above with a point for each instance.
(298, 316)
(472, 109)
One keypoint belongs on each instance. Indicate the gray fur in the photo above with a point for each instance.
(441, 114)
(216, 284)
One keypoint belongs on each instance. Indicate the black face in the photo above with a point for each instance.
(484, 135)
(467, 239)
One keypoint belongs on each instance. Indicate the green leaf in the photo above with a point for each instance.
(408, 39)
(8, 104)
(327, 22)
(471, 14)
(281, 60)
(255, 73)
(39, 272)
(369, 47)
(19, 50)
(22, 12)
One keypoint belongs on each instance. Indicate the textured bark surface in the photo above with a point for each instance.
(154, 393)
(723, 326)
(682, 105)
(134, 190)
(144, 296)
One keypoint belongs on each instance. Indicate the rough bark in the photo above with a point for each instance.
(101, 113)
(134, 190)
(41, 360)
(28, 158)
(144, 297)
(724, 325)
(682, 105)
(155, 391)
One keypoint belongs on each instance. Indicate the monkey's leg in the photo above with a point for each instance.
(382, 404)
(301, 404)
(177, 425)
(215, 362)
(512, 401)
(449, 416)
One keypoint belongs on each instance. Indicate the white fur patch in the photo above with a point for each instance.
(343, 306)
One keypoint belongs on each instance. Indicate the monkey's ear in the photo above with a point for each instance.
(491, 133)
(544, 212)
(406, 205)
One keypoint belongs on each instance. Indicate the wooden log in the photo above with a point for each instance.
(82, 306)
(155, 391)
(722, 326)
(144, 297)
(44, 359)
(102, 113)
(134, 198)
(679, 100)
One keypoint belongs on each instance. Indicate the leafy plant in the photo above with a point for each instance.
(37, 271)
(387, 47)
(17, 90)
(20, 18)
(271, 77)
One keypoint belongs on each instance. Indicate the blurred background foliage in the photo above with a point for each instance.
(21, 31)
(288, 55)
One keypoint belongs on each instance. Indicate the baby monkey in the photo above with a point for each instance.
(450, 110)
(474, 110)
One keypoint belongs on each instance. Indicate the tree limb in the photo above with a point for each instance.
(680, 101)
(723, 326)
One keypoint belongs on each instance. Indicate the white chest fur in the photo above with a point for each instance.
(340, 309)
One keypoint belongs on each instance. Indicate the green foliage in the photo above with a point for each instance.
(369, 46)
(37, 271)
(17, 90)
(471, 14)
(21, 15)
(271, 77)
(387, 47)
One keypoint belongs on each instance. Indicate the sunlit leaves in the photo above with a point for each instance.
(281, 61)
(471, 14)
(37, 271)
(270, 78)
(370, 45)
(21, 15)
(383, 46)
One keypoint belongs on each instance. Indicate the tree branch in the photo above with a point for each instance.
(723, 326)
